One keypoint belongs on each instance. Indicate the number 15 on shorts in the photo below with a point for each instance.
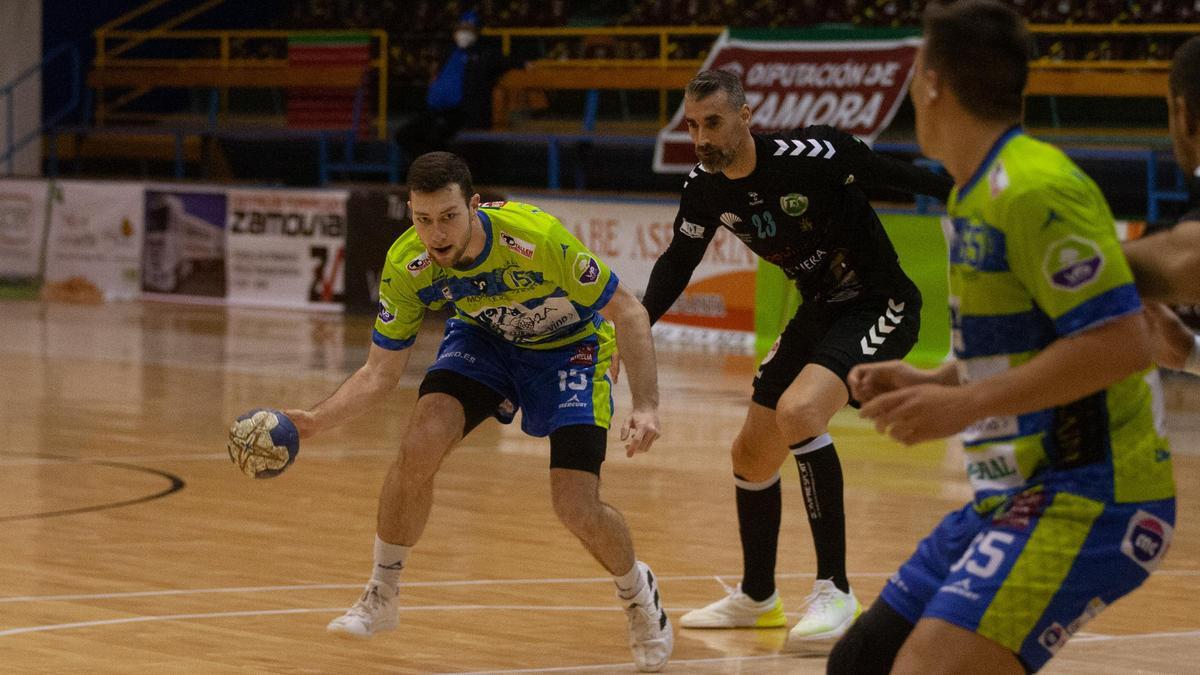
(572, 379)
(985, 555)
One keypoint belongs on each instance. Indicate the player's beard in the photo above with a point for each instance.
(461, 261)
(714, 159)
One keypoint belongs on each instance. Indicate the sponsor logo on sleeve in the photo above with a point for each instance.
(1073, 263)
(587, 270)
(521, 246)
(794, 204)
(418, 263)
(1147, 539)
(692, 229)
(387, 311)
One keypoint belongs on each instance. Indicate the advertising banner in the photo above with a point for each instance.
(286, 248)
(718, 305)
(799, 78)
(96, 238)
(22, 227)
(184, 249)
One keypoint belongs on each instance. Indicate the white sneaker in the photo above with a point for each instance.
(650, 635)
(737, 610)
(378, 609)
(828, 615)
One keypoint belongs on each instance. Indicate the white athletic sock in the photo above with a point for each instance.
(630, 583)
(389, 561)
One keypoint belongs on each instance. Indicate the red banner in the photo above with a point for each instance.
(855, 86)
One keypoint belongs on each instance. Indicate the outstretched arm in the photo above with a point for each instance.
(1166, 266)
(366, 387)
(880, 169)
(854, 160)
(1067, 370)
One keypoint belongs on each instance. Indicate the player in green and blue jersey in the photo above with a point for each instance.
(526, 334)
(1051, 387)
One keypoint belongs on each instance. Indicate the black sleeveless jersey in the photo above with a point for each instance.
(801, 209)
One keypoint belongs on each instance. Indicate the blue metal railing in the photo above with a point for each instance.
(13, 145)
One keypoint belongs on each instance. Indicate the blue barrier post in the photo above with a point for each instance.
(552, 163)
(178, 153)
(591, 109)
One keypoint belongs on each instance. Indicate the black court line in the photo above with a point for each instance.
(177, 484)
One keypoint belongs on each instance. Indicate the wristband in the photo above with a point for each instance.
(1192, 365)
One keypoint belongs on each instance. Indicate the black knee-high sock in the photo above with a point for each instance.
(821, 481)
(759, 506)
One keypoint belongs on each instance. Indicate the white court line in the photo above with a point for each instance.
(186, 457)
(306, 610)
(623, 666)
(403, 585)
(1136, 636)
(430, 584)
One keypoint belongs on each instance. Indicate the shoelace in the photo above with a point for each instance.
(729, 590)
(641, 615)
(370, 601)
(818, 600)
(642, 621)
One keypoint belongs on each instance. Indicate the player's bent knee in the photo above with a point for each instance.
(754, 463)
(800, 418)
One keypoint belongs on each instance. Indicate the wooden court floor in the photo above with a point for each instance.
(129, 543)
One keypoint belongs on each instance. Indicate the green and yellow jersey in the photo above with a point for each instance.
(1034, 258)
(534, 285)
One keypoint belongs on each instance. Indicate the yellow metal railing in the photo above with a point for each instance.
(1048, 76)
(109, 55)
(662, 33)
(1113, 28)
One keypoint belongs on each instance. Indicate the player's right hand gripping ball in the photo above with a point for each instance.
(263, 442)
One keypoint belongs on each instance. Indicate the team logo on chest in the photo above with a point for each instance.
(755, 200)
(794, 204)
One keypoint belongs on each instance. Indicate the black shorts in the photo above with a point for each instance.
(839, 336)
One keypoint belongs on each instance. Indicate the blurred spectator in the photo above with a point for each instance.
(460, 93)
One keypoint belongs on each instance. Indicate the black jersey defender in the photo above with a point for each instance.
(803, 210)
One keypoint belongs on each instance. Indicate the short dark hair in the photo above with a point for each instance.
(982, 49)
(1185, 75)
(436, 170)
(711, 81)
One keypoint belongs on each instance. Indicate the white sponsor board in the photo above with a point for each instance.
(96, 236)
(286, 248)
(22, 227)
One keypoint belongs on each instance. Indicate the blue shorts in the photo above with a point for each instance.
(1030, 572)
(553, 388)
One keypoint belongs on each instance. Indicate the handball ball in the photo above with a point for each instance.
(263, 442)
